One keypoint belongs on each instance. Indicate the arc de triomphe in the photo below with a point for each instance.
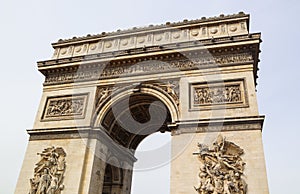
(103, 94)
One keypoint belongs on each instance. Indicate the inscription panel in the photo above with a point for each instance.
(230, 93)
(65, 107)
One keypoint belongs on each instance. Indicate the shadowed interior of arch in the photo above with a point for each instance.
(131, 119)
(128, 122)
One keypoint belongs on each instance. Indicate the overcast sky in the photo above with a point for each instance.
(28, 28)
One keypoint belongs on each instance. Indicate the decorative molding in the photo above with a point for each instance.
(65, 107)
(103, 93)
(200, 44)
(228, 94)
(222, 168)
(49, 172)
(171, 87)
(200, 29)
(215, 128)
(222, 17)
(140, 68)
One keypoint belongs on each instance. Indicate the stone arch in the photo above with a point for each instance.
(148, 89)
(81, 87)
(134, 102)
(139, 100)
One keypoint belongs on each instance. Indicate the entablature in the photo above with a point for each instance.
(185, 46)
(217, 53)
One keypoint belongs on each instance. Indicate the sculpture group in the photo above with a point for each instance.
(222, 168)
(49, 172)
(65, 107)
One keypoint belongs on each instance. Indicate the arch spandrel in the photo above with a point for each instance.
(144, 89)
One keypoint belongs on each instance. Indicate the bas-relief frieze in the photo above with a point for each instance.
(49, 172)
(212, 95)
(222, 168)
(86, 74)
(227, 94)
(65, 107)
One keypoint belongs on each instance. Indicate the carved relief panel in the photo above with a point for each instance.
(103, 93)
(171, 87)
(230, 93)
(65, 107)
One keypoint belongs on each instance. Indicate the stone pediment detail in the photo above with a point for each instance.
(222, 168)
(49, 172)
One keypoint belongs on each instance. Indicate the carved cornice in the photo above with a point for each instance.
(113, 55)
(156, 64)
(198, 44)
(219, 125)
(82, 133)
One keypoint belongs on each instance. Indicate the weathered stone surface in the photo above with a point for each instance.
(103, 94)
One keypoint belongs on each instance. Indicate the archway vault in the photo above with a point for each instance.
(130, 114)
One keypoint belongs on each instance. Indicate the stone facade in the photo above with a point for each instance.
(103, 94)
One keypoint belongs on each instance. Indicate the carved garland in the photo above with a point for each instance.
(222, 168)
(49, 172)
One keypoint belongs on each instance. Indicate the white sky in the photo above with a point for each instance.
(28, 28)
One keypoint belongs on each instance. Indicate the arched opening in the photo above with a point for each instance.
(108, 180)
(128, 121)
(153, 176)
(112, 182)
(132, 118)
